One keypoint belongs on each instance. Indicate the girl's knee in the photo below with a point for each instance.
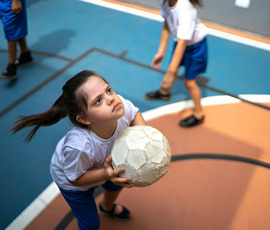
(190, 83)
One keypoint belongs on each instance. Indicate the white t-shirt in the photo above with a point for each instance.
(80, 150)
(183, 21)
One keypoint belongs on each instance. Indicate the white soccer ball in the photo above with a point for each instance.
(144, 152)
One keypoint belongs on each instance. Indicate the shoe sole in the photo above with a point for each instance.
(188, 126)
(25, 64)
(13, 78)
(113, 216)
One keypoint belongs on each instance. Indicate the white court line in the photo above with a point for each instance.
(40, 203)
(214, 100)
(216, 33)
(125, 9)
(35, 208)
(44, 199)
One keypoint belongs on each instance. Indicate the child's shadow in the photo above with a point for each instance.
(48, 46)
(52, 44)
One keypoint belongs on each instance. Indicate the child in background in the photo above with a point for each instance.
(14, 19)
(190, 50)
(82, 158)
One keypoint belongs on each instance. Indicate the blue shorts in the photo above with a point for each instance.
(194, 59)
(15, 25)
(83, 205)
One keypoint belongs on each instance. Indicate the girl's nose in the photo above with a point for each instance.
(110, 100)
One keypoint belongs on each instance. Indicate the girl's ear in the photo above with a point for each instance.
(82, 119)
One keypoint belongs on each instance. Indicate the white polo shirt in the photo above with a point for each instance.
(183, 21)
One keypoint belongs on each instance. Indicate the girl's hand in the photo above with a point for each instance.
(156, 62)
(168, 81)
(16, 6)
(113, 175)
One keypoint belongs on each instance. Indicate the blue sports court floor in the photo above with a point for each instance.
(67, 36)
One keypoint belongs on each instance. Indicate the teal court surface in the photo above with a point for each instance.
(67, 36)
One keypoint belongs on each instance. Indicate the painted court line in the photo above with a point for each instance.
(215, 100)
(125, 9)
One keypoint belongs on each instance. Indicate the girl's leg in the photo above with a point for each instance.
(195, 94)
(12, 51)
(25, 56)
(109, 199)
(84, 208)
(111, 192)
(23, 45)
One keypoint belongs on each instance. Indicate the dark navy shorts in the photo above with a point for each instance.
(194, 59)
(15, 25)
(83, 205)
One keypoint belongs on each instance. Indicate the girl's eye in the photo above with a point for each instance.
(109, 90)
(97, 101)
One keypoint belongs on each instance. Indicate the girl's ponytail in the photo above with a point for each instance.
(50, 117)
(71, 103)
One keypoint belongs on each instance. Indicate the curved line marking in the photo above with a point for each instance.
(219, 157)
(214, 100)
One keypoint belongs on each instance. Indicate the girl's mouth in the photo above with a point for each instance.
(117, 106)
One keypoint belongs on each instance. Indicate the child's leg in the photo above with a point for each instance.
(23, 45)
(108, 201)
(195, 94)
(12, 51)
(111, 192)
(26, 56)
(84, 208)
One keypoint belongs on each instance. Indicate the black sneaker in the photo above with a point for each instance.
(124, 215)
(24, 59)
(191, 121)
(10, 72)
(156, 95)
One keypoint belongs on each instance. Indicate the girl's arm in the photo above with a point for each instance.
(165, 35)
(171, 73)
(138, 120)
(106, 173)
(177, 56)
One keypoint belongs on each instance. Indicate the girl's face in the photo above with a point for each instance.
(104, 105)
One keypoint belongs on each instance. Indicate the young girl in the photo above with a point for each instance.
(82, 160)
(190, 50)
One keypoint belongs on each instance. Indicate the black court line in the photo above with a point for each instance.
(181, 157)
(69, 217)
(65, 221)
(194, 156)
(202, 81)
